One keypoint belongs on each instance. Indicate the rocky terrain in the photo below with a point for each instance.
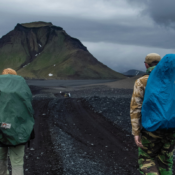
(40, 50)
(87, 134)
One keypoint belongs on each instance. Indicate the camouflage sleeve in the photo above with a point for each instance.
(136, 105)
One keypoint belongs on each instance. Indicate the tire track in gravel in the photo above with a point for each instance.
(92, 133)
(40, 158)
(71, 139)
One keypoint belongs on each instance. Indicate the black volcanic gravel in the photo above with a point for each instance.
(101, 91)
(88, 134)
(82, 136)
(114, 109)
(87, 142)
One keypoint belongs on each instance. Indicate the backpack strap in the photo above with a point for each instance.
(28, 144)
(32, 136)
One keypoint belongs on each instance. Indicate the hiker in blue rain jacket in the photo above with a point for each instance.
(155, 148)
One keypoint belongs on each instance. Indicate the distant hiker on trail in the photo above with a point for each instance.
(16, 121)
(65, 94)
(152, 112)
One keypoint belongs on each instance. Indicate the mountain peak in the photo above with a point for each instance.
(41, 50)
(37, 24)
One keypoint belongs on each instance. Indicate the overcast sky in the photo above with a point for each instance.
(119, 33)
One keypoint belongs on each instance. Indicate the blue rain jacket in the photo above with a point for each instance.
(158, 108)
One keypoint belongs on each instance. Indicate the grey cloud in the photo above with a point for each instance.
(123, 57)
(92, 31)
(116, 33)
(126, 34)
(161, 11)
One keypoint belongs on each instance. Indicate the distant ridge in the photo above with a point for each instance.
(133, 72)
(40, 50)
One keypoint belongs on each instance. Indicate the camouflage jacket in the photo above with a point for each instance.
(136, 103)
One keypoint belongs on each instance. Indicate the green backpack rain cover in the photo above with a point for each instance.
(16, 112)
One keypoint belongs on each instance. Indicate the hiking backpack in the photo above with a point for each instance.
(158, 108)
(16, 112)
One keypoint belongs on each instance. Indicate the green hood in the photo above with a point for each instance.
(148, 71)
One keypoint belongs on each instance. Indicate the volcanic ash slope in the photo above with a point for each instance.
(40, 50)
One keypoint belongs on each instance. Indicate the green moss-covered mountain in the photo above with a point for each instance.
(41, 50)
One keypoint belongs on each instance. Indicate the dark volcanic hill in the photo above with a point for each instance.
(41, 50)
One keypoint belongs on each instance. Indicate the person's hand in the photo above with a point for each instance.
(138, 141)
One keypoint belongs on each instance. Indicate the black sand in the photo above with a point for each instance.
(65, 83)
(88, 134)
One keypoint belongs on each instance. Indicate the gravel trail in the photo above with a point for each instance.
(74, 139)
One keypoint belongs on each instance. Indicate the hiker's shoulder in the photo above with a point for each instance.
(142, 80)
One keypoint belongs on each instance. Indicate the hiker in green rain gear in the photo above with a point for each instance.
(16, 121)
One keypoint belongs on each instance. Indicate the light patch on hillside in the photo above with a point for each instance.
(26, 65)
